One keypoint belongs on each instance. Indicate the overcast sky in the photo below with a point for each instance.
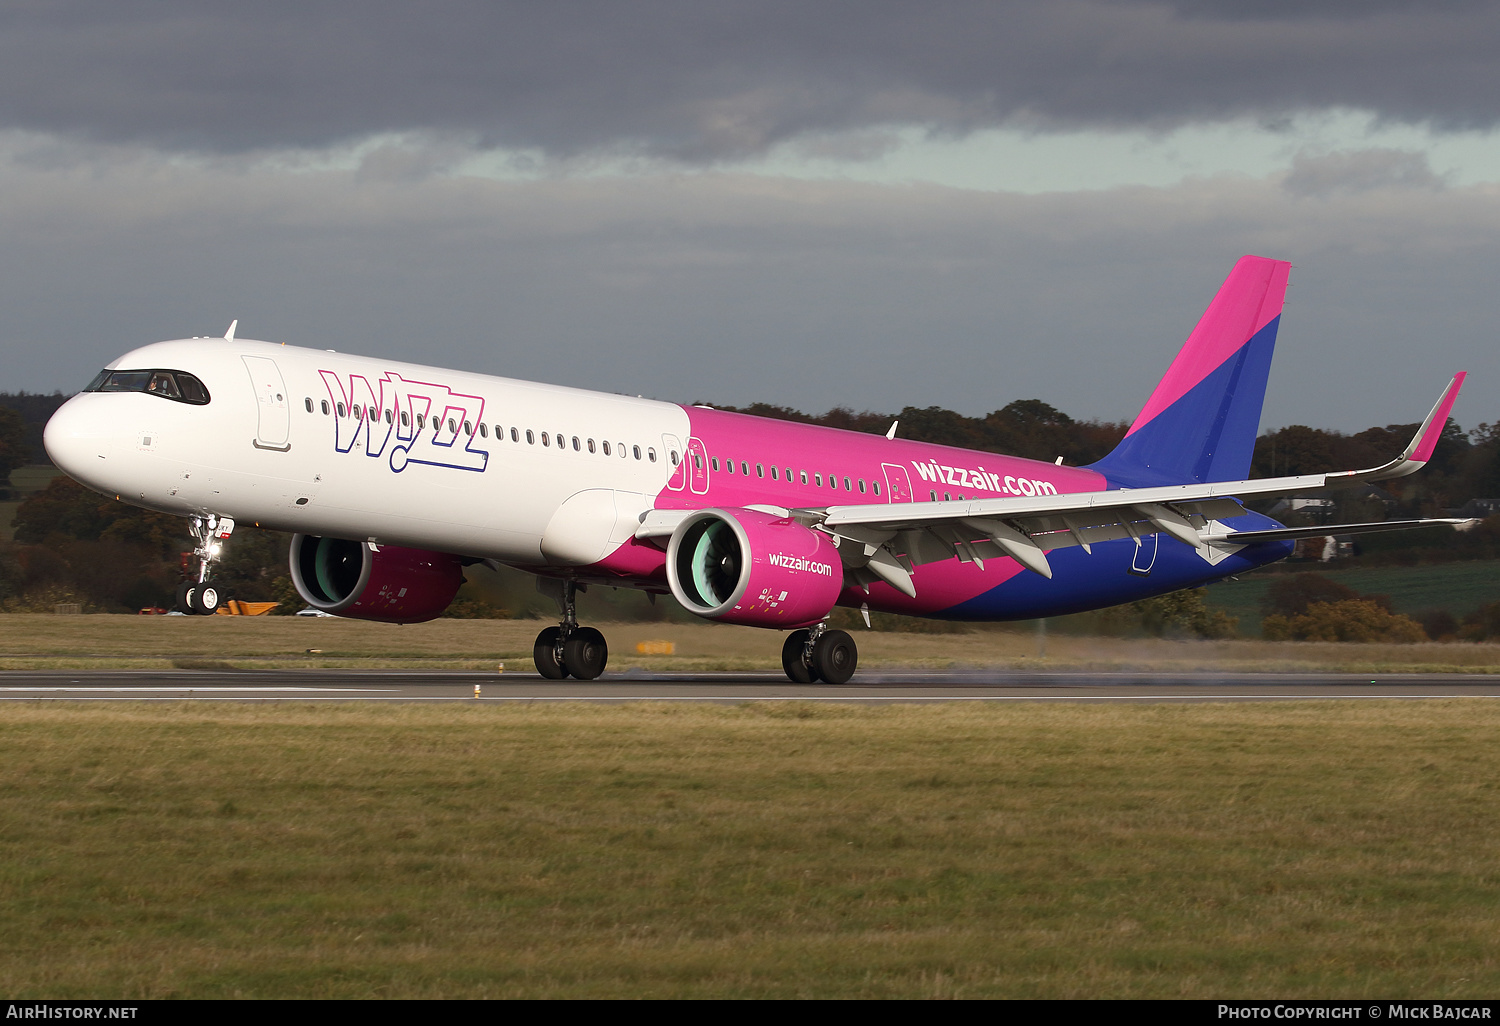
(815, 204)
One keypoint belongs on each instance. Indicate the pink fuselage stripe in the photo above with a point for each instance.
(1250, 299)
(1440, 421)
(906, 471)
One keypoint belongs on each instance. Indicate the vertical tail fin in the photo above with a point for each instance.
(1200, 422)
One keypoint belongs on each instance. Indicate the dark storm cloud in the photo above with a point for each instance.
(702, 81)
(731, 288)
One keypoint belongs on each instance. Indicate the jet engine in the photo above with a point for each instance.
(366, 581)
(746, 567)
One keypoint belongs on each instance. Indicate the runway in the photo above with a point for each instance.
(873, 687)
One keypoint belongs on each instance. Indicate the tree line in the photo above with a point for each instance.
(72, 545)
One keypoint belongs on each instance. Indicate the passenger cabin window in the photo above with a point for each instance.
(818, 480)
(773, 473)
(673, 454)
(545, 439)
(468, 428)
(760, 470)
(342, 411)
(530, 438)
(875, 485)
(324, 403)
(484, 432)
(308, 403)
(651, 454)
(861, 486)
(605, 444)
(515, 437)
(637, 450)
(576, 447)
(802, 476)
(179, 386)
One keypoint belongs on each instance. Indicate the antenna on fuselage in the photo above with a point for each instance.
(229, 335)
(892, 432)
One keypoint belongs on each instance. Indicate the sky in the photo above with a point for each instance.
(862, 204)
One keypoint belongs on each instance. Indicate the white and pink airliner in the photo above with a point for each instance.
(392, 477)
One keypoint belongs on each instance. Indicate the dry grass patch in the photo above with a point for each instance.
(1314, 849)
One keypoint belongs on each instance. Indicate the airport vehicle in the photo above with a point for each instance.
(393, 477)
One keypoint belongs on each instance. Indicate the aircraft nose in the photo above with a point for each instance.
(74, 441)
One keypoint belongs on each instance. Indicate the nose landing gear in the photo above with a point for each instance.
(818, 653)
(568, 649)
(203, 596)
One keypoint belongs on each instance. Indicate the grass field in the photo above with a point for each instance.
(1459, 588)
(1316, 849)
(43, 641)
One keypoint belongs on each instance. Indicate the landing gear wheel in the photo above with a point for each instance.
(585, 653)
(835, 657)
(791, 658)
(545, 653)
(184, 602)
(205, 599)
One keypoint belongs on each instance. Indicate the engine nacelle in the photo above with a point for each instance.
(745, 567)
(374, 582)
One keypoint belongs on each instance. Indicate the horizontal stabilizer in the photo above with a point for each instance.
(1292, 533)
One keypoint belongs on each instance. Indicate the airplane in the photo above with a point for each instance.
(393, 477)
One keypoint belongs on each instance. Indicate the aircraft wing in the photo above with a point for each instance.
(888, 541)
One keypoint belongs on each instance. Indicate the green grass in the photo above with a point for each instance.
(1316, 849)
(1459, 588)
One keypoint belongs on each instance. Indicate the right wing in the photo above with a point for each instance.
(887, 542)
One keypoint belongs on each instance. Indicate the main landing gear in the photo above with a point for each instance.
(203, 596)
(818, 653)
(568, 649)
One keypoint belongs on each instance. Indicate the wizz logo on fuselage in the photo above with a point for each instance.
(383, 417)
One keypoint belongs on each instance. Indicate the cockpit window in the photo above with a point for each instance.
(170, 384)
(163, 383)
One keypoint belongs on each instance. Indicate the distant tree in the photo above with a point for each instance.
(35, 410)
(1291, 594)
(14, 451)
(1439, 624)
(1483, 624)
(67, 510)
(1184, 614)
(1344, 620)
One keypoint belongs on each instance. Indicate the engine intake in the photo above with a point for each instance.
(746, 567)
(374, 582)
